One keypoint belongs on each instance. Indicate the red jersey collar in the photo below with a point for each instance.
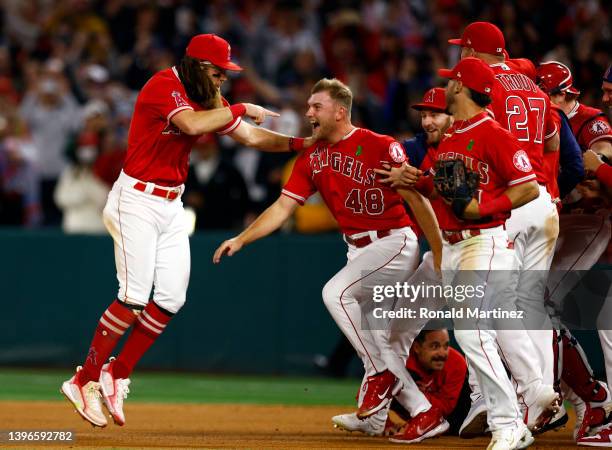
(461, 126)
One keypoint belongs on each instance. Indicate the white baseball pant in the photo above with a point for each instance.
(485, 253)
(383, 262)
(533, 228)
(151, 245)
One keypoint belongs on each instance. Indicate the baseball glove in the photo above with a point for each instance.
(455, 183)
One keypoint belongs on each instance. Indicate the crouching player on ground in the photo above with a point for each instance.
(440, 373)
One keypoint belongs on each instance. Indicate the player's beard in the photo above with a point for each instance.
(433, 137)
(435, 134)
(198, 85)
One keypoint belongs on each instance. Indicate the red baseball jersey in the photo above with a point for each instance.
(158, 151)
(344, 175)
(551, 160)
(487, 148)
(589, 125)
(437, 204)
(441, 387)
(522, 108)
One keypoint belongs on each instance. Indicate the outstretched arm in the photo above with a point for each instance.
(267, 222)
(199, 122)
(264, 139)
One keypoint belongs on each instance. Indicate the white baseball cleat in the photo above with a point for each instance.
(475, 423)
(511, 438)
(85, 399)
(539, 413)
(373, 425)
(114, 390)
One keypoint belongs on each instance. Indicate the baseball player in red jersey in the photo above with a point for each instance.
(145, 216)
(585, 232)
(382, 248)
(550, 162)
(478, 241)
(524, 110)
(425, 420)
(594, 165)
(439, 371)
(592, 162)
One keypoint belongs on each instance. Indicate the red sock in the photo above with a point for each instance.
(112, 325)
(150, 324)
(577, 373)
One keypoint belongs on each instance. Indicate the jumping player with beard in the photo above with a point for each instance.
(145, 216)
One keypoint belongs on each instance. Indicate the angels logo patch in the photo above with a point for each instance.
(397, 152)
(179, 100)
(521, 161)
(599, 127)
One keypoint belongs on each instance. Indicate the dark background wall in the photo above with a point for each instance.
(257, 312)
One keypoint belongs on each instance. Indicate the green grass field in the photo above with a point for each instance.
(43, 384)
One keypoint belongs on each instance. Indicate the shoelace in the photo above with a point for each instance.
(122, 390)
(93, 395)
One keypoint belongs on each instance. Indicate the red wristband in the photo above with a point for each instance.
(296, 144)
(239, 109)
(604, 174)
(425, 185)
(498, 205)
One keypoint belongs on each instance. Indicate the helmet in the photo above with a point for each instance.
(554, 77)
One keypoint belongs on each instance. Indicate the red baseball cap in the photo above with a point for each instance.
(473, 73)
(211, 48)
(484, 37)
(434, 100)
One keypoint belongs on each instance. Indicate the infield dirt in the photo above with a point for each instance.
(154, 425)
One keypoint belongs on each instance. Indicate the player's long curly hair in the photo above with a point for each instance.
(198, 85)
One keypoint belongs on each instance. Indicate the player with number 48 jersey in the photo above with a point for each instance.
(382, 248)
(344, 175)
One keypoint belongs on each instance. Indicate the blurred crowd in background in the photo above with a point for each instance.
(70, 71)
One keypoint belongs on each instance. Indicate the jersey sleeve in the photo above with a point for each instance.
(300, 185)
(164, 98)
(232, 125)
(391, 151)
(511, 161)
(595, 130)
(551, 125)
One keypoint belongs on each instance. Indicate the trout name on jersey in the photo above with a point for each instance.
(346, 165)
(516, 82)
(470, 163)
